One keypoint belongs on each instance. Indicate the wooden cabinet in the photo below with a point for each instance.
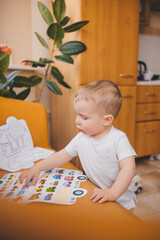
(112, 41)
(147, 120)
(147, 138)
(126, 118)
(148, 112)
(148, 94)
(111, 37)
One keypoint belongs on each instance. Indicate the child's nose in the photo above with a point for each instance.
(77, 120)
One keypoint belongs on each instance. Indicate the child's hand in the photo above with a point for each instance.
(102, 195)
(33, 172)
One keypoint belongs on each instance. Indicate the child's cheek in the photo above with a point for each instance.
(90, 128)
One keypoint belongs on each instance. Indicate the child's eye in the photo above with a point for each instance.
(85, 118)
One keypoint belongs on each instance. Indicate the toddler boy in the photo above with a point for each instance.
(105, 153)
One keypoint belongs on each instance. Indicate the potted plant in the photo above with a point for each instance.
(56, 32)
(57, 27)
(9, 82)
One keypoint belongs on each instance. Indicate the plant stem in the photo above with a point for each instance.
(53, 50)
(46, 75)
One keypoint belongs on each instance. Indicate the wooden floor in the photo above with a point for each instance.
(148, 205)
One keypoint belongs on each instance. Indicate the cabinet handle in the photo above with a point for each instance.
(151, 94)
(127, 96)
(126, 76)
(150, 113)
(150, 131)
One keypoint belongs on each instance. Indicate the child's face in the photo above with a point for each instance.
(89, 120)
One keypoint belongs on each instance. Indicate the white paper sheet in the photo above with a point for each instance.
(16, 146)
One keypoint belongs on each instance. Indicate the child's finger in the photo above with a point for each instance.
(95, 192)
(22, 176)
(93, 196)
(28, 179)
(34, 181)
(102, 200)
(97, 198)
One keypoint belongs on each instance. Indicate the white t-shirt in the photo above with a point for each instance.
(100, 159)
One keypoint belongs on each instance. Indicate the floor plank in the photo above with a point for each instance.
(148, 205)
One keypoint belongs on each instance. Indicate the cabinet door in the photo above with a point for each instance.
(148, 112)
(148, 94)
(127, 42)
(111, 38)
(126, 118)
(147, 138)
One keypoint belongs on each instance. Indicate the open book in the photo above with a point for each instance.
(58, 185)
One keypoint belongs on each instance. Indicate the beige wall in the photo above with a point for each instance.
(19, 20)
(15, 18)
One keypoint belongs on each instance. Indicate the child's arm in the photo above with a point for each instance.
(123, 180)
(55, 160)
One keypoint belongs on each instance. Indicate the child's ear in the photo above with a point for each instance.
(108, 119)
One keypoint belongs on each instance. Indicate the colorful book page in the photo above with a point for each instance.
(58, 185)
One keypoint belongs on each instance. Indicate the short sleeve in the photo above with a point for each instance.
(124, 148)
(72, 147)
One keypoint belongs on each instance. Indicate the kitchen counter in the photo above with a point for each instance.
(149, 83)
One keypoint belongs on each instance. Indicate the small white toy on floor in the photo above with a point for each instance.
(137, 184)
(155, 157)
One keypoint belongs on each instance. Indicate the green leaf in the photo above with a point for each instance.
(7, 93)
(12, 94)
(75, 26)
(24, 94)
(4, 93)
(46, 14)
(58, 43)
(4, 61)
(55, 32)
(53, 87)
(64, 21)
(65, 84)
(12, 75)
(32, 81)
(45, 60)
(59, 9)
(35, 63)
(42, 41)
(11, 85)
(9, 78)
(73, 48)
(2, 78)
(20, 81)
(65, 58)
(57, 74)
(59, 77)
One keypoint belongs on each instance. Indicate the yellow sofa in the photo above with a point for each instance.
(33, 113)
(83, 220)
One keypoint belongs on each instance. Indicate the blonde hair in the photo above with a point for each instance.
(104, 93)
